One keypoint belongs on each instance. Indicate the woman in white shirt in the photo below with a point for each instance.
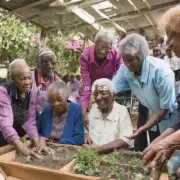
(109, 122)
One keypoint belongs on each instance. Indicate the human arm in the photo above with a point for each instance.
(124, 129)
(160, 152)
(78, 133)
(30, 126)
(86, 88)
(120, 81)
(6, 124)
(165, 90)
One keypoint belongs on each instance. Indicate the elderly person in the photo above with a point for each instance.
(162, 149)
(73, 84)
(18, 108)
(151, 80)
(109, 122)
(44, 75)
(61, 120)
(98, 61)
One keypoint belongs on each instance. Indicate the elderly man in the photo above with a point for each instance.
(109, 122)
(98, 61)
(151, 80)
(162, 149)
(18, 108)
(44, 75)
(61, 120)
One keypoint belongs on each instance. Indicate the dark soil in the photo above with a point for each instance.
(62, 156)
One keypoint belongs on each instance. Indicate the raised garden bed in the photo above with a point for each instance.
(63, 155)
(119, 165)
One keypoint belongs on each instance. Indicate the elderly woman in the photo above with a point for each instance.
(163, 147)
(109, 122)
(61, 120)
(98, 61)
(18, 108)
(44, 75)
(151, 80)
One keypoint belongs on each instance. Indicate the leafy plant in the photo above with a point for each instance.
(27, 160)
(87, 162)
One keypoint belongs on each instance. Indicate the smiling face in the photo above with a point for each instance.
(103, 98)
(58, 102)
(133, 63)
(23, 80)
(102, 48)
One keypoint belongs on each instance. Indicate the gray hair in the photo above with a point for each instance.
(104, 33)
(105, 83)
(59, 86)
(45, 51)
(135, 45)
(16, 65)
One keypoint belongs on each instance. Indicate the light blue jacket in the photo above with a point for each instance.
(155, 88)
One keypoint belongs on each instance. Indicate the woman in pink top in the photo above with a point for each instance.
(98, 61)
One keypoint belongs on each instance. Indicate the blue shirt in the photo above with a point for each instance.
(154, 88)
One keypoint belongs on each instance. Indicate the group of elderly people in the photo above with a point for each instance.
(36, 102)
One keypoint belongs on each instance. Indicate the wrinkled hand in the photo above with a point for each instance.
(88, 140)
(137, 133)
(29, 152)
(35, 142)
(157, 153)
(43, 148)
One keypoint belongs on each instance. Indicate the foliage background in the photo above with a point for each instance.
(22, 40)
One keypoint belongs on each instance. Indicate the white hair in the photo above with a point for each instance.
(104, 33)
(59, 86)
(135, 45)
(105, 83)
(15, 65)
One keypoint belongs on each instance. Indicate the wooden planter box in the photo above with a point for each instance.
(16, 171)
(10, 156)
(69, 170)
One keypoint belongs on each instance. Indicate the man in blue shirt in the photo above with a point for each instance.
(151, 80)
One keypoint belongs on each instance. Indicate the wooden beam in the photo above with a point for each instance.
(29, 6)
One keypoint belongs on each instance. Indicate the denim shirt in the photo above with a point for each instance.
(154, 89)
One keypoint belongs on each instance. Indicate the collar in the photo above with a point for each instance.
(145, 72)
(92, 55)
(41, 80)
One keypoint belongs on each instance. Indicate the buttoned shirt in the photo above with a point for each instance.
(116, 126)
(7, 119)
(91, 71)
(154, 89)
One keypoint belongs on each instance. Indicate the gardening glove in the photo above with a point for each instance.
(43, 147)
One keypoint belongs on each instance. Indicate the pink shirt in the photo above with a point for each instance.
(91, 71)
(6, 117)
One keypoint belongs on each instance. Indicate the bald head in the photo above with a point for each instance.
(20, 74)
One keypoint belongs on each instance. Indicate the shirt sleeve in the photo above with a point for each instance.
(86, 82)
(125, 127)
(6, 117)
(119, 81)
(30, 126)
(165, 89)
(119, 62)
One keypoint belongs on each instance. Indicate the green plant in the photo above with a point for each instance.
(136, 161)
(87, 162)
(27, 160)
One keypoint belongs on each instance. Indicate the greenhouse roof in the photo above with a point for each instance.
(87, 16)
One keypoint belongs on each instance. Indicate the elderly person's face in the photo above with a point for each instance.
(47, 64)
(103, 97)
(23, 80)
(103, 46)
(58, 102)
(169, 53)
(133, 63)
(156, 52)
